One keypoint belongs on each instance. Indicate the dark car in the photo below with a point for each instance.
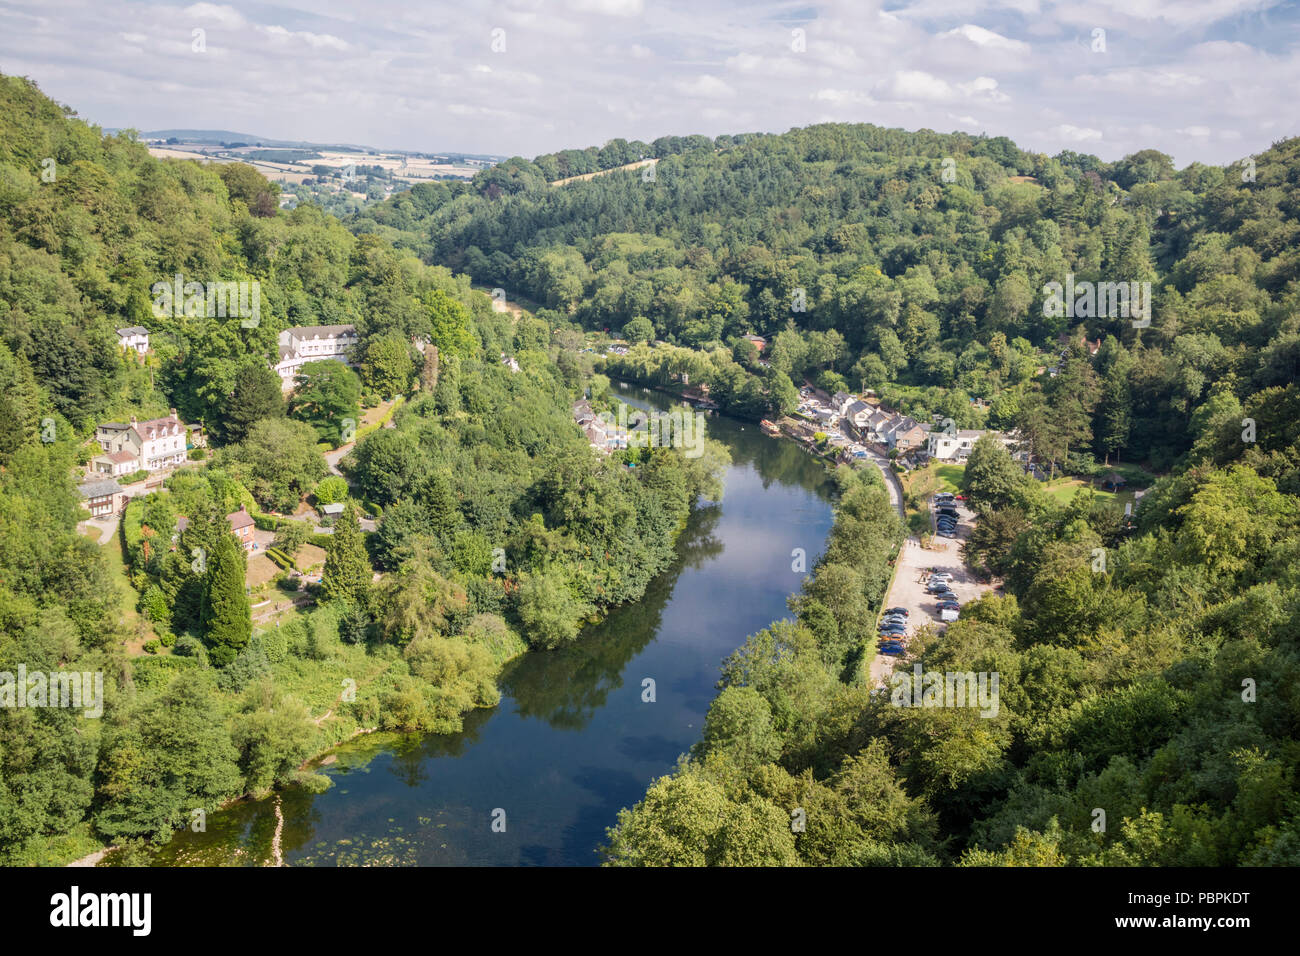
(948, 606)
(892, 629)
(897, 610)
(893, 651)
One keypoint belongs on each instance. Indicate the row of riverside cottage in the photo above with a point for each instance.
(913, 441)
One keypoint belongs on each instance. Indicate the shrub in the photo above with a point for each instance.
(331, 490)
(189, 646)
(151, 646)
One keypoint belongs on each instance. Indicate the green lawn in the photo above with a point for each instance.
(1062, 490)
(127, 595)
(949, 477)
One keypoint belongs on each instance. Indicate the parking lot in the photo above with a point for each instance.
(915, 565)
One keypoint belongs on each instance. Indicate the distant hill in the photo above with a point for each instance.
(218, 136)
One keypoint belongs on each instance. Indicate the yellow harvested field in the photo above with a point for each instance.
(585, 176)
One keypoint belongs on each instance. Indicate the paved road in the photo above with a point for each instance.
(892, 484)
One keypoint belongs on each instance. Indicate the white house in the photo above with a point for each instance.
(958, 445)
(313, 343)
(136, 338)
(150, 445)
(954, 446)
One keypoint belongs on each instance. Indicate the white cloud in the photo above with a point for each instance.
(1074, 134)
(987, 39)
(706, 85)
(226, 16)
(613, 8)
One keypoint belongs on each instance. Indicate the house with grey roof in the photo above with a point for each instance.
(313, 343)
(103, 497)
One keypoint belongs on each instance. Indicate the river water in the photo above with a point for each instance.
(572, 741)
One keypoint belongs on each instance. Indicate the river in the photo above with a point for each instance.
(572, 741)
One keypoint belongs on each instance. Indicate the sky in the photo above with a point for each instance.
(1211, 81)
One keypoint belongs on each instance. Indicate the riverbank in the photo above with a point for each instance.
(573, 738)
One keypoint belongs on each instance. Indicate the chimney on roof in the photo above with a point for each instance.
(173, 411)
(134, 422)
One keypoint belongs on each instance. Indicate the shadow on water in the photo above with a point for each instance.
(580, 732)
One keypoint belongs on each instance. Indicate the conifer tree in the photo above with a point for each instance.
(347, 568)
(226, 614)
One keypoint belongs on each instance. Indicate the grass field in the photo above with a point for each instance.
(1062, 491)
(949, 477)
(140, 628)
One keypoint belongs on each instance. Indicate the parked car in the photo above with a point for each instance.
(897, 610)
(894, 619)
(893, 651)
(941, 576)
(892, 629)
(949, 614)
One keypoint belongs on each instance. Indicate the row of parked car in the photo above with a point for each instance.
(945, 513)
(939, 584)
(893, 627)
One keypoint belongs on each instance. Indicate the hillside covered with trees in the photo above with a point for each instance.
(1149, 688)
(496, 526)
(913, 263)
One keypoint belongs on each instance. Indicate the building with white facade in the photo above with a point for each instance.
(313, 343)
(135, 338)
(957, 446)
(149, 445)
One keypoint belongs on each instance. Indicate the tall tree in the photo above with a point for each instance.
(256, 395)
(226, 613)
(347, 572)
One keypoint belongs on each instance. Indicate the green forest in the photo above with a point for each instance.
(1157, 685)
(494, 526)
(912, 263)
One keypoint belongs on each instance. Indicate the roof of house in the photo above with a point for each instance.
(332, 509)
(100, 488)
(156, 427)
(319, 331)
(133, 330)
(119, 457)
(858, 407)
(239, 519)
